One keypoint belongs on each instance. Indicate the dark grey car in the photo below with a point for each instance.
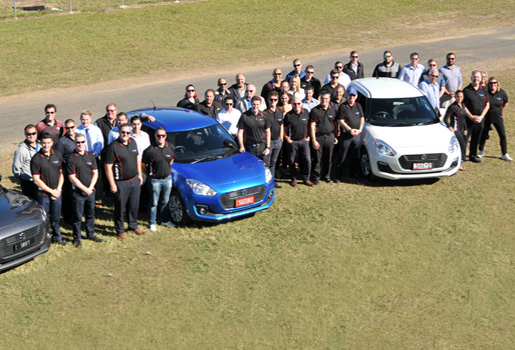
(24, 230)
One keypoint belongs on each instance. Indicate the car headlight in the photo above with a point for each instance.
(454, 145)
(268, 175)
(200, 188)
(383, 149)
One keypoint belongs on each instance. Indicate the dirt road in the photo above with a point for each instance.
(489, 50)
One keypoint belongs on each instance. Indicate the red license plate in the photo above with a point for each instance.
(245, 201)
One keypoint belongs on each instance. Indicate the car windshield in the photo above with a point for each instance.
(202, 145)
(400, 112)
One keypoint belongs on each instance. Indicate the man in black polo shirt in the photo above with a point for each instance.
(157, 163)
(323, 138)
(254, 131)
(351, 120)
(275, 117)
(476, 101)
(209, 106)
(83, 175)
(46, 168)
(50, 125)
(297, 140)
(309, 79)
(123, 171)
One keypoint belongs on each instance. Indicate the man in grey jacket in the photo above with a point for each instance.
(21, 162)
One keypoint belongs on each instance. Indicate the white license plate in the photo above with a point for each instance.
(422, 166)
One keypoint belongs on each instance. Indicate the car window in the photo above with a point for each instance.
(203, 144)
(400, 112)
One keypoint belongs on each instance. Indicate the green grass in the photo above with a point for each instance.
(51, 51)
(386, 265)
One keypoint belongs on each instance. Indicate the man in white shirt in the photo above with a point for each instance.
(411, 72)
(94, 137)
(343, 79)
(309, 102)
(142, 139)
(229, 117)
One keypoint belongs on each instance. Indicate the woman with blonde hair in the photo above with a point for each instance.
(295, 89)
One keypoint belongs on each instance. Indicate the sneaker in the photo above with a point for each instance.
(168, 224)
(153, 228)
(77, 243)
(476, 160)
(60, 242)
(480, 154)
(506, 157)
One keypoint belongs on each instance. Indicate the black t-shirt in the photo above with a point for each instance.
(276, 122)
(296, 125)
(185, 103)
(212, 111)
(81, 166)
(317, 85)
(351, 115)
(124, 159)
(47, 167)
(324, 119)
(497, 103)
(253, 127)
(158, 160)
(456, 117)
(475, 100)
(332, 90)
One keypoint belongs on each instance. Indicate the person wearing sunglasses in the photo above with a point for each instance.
(411, 72)
(229, 117)
(431, 89)
(190, 100)
(388, 68)
(66, 146)
(453, 79)
(274, 84)
(343, 78)
(83, 174)
(21, 162)
(50, 124)
(309, 79)
(275, 116)
(239, 88)
(124, 174)
(223, 91)
(498, 100)
(157, 164)
(297, 69)
(354, 69)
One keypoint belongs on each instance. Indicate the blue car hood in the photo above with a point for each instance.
(17, 212)
(239, 168)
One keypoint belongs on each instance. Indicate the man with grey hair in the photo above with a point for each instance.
(237, 90)
(209, 106)
(431, 89)
(245, 103)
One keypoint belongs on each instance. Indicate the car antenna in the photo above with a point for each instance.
(153, 104)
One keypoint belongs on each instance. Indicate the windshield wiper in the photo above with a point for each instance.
(205, 159)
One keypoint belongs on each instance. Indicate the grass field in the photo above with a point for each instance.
(170, 40)
(386, 265)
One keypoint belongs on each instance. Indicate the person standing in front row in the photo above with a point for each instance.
(254, 131)
(46, 168)
(123, 171)
(157, 164)
(21, 162)
(82, 172)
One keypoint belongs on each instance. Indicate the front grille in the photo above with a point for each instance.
(228, 199)
(438, 160)
(36, 234)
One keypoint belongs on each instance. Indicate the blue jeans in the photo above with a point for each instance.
(83, 206)
(53, 210)
(161, 189)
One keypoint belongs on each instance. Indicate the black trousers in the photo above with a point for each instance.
(501, 131)
(474, 133)
(83, 205)
(302, 149)
(321, 159)
(127, 198)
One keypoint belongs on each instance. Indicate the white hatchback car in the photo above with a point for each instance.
(403, 138)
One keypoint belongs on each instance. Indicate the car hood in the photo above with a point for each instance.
(17, 212)
(238, 168)
(422, 136)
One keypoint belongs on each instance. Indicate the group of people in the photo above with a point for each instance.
(299, 120)
(60, 165)
(320, 123)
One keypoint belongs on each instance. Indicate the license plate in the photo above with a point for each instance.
(245, 201)
(422, 166)
(23, 245)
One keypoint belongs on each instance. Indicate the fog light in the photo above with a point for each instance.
(202, 209)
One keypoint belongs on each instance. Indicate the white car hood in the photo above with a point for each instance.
(420, 136)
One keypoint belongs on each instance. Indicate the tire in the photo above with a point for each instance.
(177, 210)
(365, 166)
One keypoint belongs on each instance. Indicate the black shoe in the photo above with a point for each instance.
(276, 185)
(77, 243)
(475, 160)
(60, 242)
(328, 180)
(336, 181)
(95, 239)
(315, 182)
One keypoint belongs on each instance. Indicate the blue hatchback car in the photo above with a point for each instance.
(212, 180)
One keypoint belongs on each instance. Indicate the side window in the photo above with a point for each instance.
(362, 100)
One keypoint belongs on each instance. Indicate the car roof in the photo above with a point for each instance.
(176, 118)
(385, 88)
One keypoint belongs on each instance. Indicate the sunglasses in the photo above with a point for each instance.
(79, 142)
(50, 112)
(222, 84)
(492, 82)
(272, 99)
(355, 56)
(229, 104)
(125, 132)
(31, 133)
(297, 65)
(278, 73)
(70, 127)
(160, 136)
(190, 90)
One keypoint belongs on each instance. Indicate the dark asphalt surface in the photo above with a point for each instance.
(495, 44)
